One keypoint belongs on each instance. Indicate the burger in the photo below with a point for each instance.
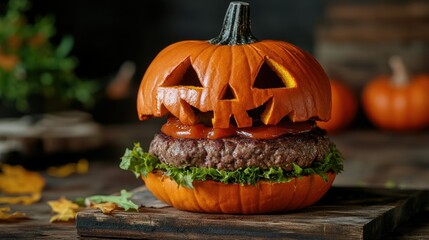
(240, 134)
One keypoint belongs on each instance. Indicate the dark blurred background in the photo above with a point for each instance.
(110, 32)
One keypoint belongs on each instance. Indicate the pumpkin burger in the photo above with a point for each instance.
(240, 135)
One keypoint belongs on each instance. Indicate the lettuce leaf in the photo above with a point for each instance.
(138, 161)
(141, 163)
(122, 201)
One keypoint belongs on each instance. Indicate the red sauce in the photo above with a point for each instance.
(176, 129)
(275, 131)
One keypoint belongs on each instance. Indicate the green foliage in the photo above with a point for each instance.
(141, 163)
(31, 66)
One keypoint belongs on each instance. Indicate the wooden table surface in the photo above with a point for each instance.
(373, 159)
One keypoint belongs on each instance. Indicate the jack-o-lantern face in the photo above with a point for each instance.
(237, 82)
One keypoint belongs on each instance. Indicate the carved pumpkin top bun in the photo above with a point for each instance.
(235, 78)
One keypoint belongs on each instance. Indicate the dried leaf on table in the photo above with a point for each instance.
(65, 210)
(122, 201)
(17, 180)
(62, 171)
(106, 208)
(5, 215)
(81, 167)
(26, 199)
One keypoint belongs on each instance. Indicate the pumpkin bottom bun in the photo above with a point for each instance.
(264, 197)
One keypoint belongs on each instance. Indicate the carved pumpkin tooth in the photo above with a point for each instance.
(243, 119)
(187, 115)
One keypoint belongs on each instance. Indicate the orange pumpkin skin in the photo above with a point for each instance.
(216, 197)
(344, 108)
(397, 108)
(306, 94)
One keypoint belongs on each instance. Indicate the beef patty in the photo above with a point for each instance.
(238, 152)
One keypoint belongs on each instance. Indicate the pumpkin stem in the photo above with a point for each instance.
(399, 72)
(236, 26)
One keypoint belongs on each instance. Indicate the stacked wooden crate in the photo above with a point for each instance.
(355, 39)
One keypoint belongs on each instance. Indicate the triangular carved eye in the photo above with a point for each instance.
(183, 75)
(190, 78)
(273, 75)
(228, 93)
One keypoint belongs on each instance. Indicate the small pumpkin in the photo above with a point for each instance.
(344, 107)
(399, 102)
(215, 197)
(233, 76)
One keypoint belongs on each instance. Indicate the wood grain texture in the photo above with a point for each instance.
(416, 229)
(344, 213)
(375, 22)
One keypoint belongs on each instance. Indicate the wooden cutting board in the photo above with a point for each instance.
(344, 213)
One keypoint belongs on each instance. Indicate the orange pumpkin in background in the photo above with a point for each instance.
(398, 102)
(344, 108)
